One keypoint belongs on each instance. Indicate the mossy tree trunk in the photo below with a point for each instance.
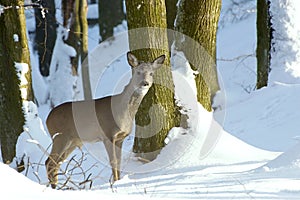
(264, 37)
(78, 39)
(111, 13)
(13, 49)
(157, 113)
(198, 20)
(45, 36)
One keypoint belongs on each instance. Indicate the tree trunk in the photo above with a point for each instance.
(110, 15)
(157, 113)
(171, 13)
(78, 39)
(198, 21)
(13, 49)
(264, 37)
(72, 19)
(171, 9)
(84, 51)
(45, 36)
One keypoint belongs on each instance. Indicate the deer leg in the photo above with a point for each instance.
(61, 148)
(111, 151)
(118, 148)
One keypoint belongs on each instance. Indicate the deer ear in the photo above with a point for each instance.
(159, 61)
(132, 60)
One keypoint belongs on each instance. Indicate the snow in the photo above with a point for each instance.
(61, 80)
(2, 8)
(286, 55)
(16, 38)
(274, 111)
(22, 70)
(39, 83)
(92, 11)
(248, 148)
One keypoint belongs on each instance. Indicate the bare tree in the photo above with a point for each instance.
(171, 9)
(75, 12)
(45, 34)
(111, 13)
(264, 37)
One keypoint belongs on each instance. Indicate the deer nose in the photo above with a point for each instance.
(145, 83)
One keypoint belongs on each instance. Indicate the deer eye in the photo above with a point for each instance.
(151, 74)
(138, 73)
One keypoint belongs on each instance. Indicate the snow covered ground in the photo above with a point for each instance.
(243, 157)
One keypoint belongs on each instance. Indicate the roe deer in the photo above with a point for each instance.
(107, 119)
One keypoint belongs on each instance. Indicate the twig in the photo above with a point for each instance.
(144, 160)
(236, 58)
(37, 176)
(46, 150)
(28, 164)
(87, 181)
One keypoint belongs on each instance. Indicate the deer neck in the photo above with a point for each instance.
(131, 100)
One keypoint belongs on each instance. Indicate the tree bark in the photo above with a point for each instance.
(110, 15)
(13, 48)
(264, 37)
(198, 21)
(45, 36)
(158, 107)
